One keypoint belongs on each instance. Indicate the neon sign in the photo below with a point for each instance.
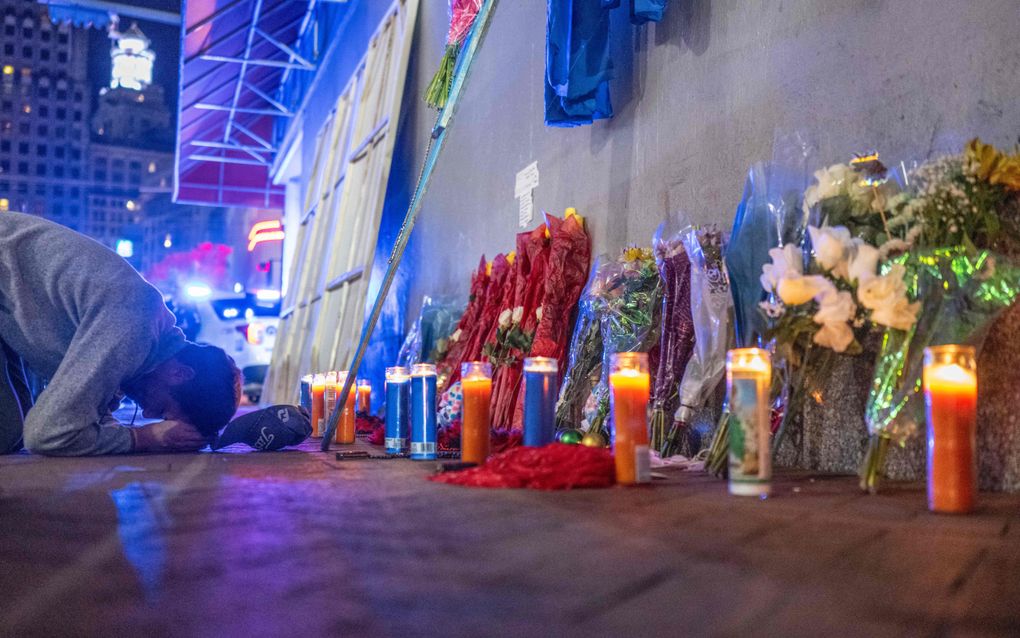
(265, 231)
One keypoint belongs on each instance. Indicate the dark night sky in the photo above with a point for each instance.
(165, 43)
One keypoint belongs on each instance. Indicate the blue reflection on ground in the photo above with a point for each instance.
(142, 521)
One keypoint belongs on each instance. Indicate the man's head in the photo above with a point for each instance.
(199, 385)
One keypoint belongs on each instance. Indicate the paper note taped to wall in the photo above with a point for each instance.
(527, 180)
(527, 210)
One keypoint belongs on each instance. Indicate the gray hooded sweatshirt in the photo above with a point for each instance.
(79, 315)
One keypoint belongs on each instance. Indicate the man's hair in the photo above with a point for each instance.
(210, 398)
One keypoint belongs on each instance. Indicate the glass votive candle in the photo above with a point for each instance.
(345, 427)
(748, 376)
(541, 380)
(950, 396)
(305, 393)
(398, 397)
(629, 386)
(318, 403)
(476, 426)
(423, 411)
(329, 396)
(364, 396)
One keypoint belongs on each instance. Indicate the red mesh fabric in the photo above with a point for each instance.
(553, 467)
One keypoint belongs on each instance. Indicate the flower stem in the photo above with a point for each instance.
(719, 452)
(874, 463)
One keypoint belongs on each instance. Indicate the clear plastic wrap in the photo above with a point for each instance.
(770, 214)
(584, 364)
(676, 337)
(428, 337)
(710, 309)
(619, 312)
(628, 302)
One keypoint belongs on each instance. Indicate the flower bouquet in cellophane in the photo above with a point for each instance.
(462, 17)
(962, 215)
(619, 313)
(710, 307)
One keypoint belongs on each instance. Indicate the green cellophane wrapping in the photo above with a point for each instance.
(962, 292)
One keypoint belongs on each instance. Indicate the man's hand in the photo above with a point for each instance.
(168, 436)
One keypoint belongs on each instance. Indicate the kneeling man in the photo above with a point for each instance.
(77, 314)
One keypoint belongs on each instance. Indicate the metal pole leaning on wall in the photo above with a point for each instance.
(435, 146)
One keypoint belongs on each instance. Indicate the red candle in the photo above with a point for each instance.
(950, 390)
(318, 404)
(629, 388)
(476, 384)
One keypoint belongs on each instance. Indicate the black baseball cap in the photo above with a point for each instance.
(271, 428)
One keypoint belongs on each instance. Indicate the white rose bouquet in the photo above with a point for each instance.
(840, 295)
(827, 307)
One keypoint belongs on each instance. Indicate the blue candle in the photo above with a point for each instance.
(541, 381)
(423, 411)
(397, 397)
(306, 393)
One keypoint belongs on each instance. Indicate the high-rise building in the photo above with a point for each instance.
(43, 114)
(132, 110)
(111, 180)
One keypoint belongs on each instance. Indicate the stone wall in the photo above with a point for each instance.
(698, 98)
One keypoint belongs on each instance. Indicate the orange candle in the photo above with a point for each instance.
(950, 391)
(476, 384)
(629, 387)
(345, 429)
(318, 406)
(364, 396)
(329, 398)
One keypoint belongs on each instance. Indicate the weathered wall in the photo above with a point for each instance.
(698, 98)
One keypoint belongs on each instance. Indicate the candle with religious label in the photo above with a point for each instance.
(629, 387)
(318, 390)
(950, 394)
(748, 376)
(345, 427)
(423, 411)
(541, 380)
(305, 400)
(364, 396)
(329, 397)
(475, 432)
(398, 390)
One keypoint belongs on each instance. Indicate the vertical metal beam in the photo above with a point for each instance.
(435, 147)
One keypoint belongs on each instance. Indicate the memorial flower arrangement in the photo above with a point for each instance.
(840, 294)
(620, 311)
(711, 305)
(462, 17)
(676, 341)
(964, 213)
(829, 306)
(521, 304)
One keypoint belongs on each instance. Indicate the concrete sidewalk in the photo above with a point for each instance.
(297, 543)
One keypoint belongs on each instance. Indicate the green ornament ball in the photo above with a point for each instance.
(593, 439)
(571, 437)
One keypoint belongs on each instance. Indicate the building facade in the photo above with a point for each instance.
(101, 166)
(44, 103)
